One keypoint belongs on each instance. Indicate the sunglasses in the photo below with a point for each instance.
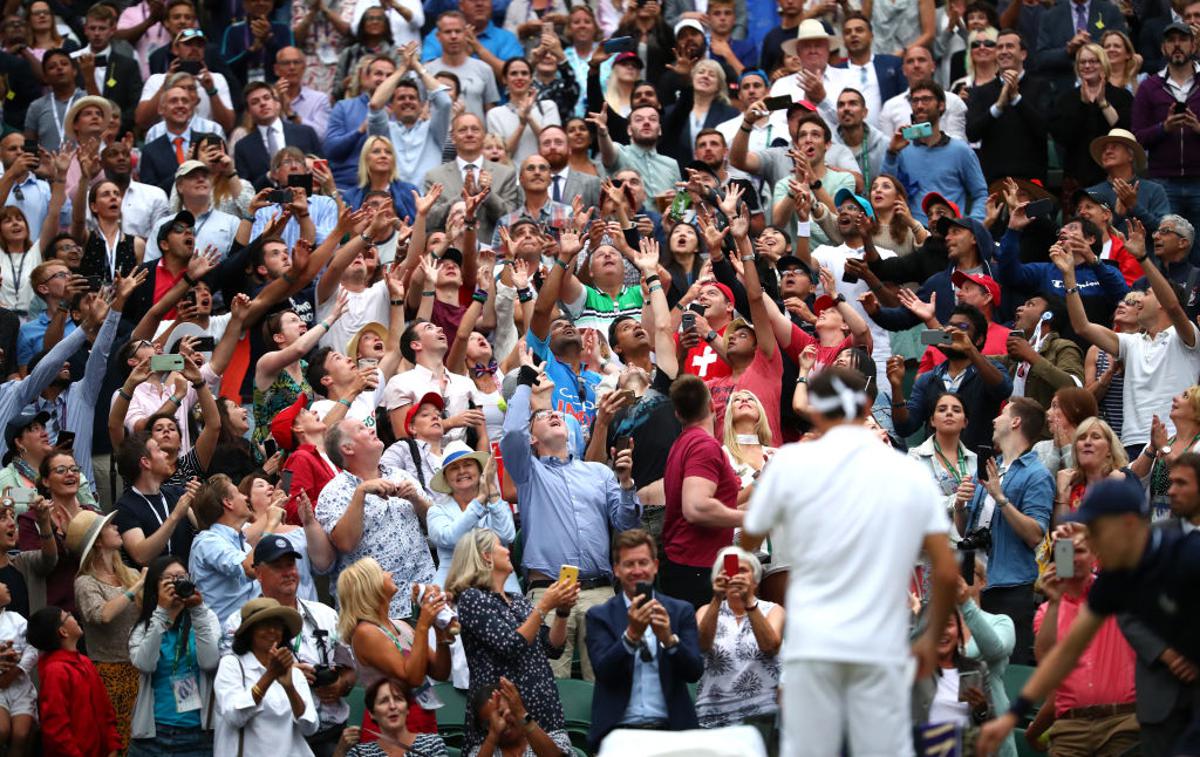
(983, 43)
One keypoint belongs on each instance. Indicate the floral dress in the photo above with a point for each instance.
(322, 44)
(494, 649)
(739, 680)
(279, 396)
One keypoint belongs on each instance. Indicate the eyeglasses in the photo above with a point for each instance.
(983, 43)
(63, 469)
(1133, 302)
(179, 228)
(922, 99)
(960, 325)
(58, 275)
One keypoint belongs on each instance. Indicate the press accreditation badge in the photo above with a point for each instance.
(187, 693)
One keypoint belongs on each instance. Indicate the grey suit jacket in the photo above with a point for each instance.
(584, 185)
(1158, 690)
(505, 195)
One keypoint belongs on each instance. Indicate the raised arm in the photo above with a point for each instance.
(1104, 338)
(1135, 242)
(569, 246)
(270, 364)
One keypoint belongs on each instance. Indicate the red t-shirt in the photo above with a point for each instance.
(696, 453)
(164, 280)
(764, 377)
(825, 355)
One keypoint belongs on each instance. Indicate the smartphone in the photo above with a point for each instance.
(935, 337)
(302, 180)
(779, 102)
(1179, 108)
(1039, 208)
(849, 277)
(642, 589)
(279, 196)
(732, 565)
(917, 131)
(985, 453)
(696, 308)
(618, 45)
(66, 440)
(1018, 332)
(189, 297)
(1064, 558)
(166, 363)
(30, 146)
(322, 164)
(568, 574)
(285, 481)
(204, 344)
(688, 322)
(22, 496)
(190, 67)
(621, 443)
(971, 679)
(270, 446)
(94, 283)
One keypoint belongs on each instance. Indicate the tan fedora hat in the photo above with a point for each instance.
(810, 28)
(1122, 136)
(83, 530)
(105, 106)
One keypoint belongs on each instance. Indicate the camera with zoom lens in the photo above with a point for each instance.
(184, 588)
(979, 540)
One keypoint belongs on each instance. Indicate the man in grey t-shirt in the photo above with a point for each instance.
(477, 82)
(47, 116)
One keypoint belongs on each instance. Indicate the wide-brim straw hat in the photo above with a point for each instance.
(83, 530)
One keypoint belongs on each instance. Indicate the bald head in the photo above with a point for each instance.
(918, 64)
(289, 65)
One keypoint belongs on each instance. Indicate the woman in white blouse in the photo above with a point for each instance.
(20, 246)
(254, 715)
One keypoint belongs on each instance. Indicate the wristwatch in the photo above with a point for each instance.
(711, 335)
(672, 642)
(1164, 450)
(815, 185)
(839, 299)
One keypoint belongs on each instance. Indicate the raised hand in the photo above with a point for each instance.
(923, 310)
(240, 307)
(646, 256)
(200, 264)
(1135, 239)
(569, 245)
(124, 286)
(520, 274)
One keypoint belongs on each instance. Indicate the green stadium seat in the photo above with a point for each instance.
(1023, 748)
(356, 700)
(576, 698)
(452, 716)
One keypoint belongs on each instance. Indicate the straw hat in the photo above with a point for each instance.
(810, 28)
(83, 530)
(105, 106)
(1121, 136)
(263, 609)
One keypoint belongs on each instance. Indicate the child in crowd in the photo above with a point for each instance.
(18, 697)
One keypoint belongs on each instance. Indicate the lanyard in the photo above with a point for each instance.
(962, 467)
(110, 250)
(17, 276)
(58, 122)
(166, 511)
(184, 643)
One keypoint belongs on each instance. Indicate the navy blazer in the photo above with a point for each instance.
(1058, 25)
(613, 664)
(889, 71)
(250, 154)
(157, 164)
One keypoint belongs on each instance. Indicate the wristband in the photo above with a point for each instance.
(655, 287)
(396, 303)
(745, 128)
(652, 278)
(802, 380)
(174, 399)
(344, 401)
(1021, 707)
(803, 228)
(126, 395)
(198, 384)
(428, 293)
(366, 239)
(188, 278)
(558, 262)
(748, 258)
(480, 296)
(503, 262)
(525, 295)
(128, 595)
(1073, 290)
(561, 613)
(298, 215)
(752, 608)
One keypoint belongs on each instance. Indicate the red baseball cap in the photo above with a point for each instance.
(933, 197)
(821, 304)
(723, 289)
(281, 424)
(429, 398)
(987, 282)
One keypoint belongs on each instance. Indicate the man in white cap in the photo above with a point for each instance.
(193, 182)
(1121, 157)
(817, 81)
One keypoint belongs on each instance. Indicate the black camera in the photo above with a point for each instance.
(184, 588)
(324, 675)
(979, 540)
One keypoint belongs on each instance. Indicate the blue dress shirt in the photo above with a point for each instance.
(324, 213)
(499, 42)
(215, 565)
(646, 701)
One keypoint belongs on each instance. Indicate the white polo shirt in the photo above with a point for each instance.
(1155, 371)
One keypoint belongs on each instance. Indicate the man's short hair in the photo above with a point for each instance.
(317, 371)
(1032, 416)
(333, 444)
(976, 317)
(450, 14)
(632, 539)
(929, 85)
(857, 16)
(1187, 459)
(42, 629)
(690, 398)
(102, 12)
(172, 3)
(1090, 229)
(642, 107)
(707, 133)
(814, 118)
(1180, 225)
(408, 336)
(56, 52)
(1013, 32)
(130, 454)
(254, 86)
(209, 503)
(852, 90)
(408, 84)
(286, 153)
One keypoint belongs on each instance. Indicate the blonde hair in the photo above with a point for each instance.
(1133, 61)
(491, 139)
(1100, 54)
(989, 32)
(360, 596)
(471, 566)
(123, 572)
(1116, 453)
(364, 175)
(722, 85)
(1192, 396)
(762, 428)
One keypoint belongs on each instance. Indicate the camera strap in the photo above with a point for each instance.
(319, 638)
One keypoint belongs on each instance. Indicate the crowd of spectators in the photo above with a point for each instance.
(366, 361)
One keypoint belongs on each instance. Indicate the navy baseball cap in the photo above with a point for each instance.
(1111, 496)
(270, 548)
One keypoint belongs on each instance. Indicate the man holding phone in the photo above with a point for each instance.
(647, 643)
(313, 216)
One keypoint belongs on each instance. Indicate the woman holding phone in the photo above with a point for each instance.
(740, 637)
